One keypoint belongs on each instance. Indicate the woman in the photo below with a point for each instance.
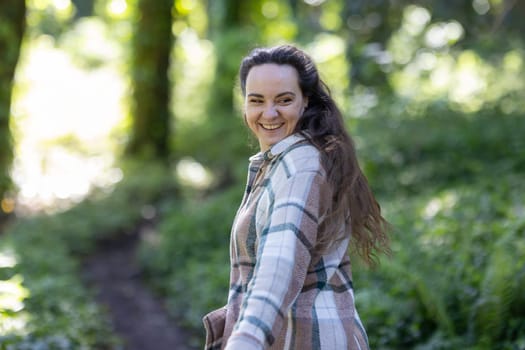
(290, 282)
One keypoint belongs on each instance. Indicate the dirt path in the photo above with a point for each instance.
(138, 317)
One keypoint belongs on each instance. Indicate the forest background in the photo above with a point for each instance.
(118, 113)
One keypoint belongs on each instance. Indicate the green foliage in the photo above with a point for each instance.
(46, 18)
(450, 182)
(451, 185)
(58, 311)
(222, 126)
(188, 258)
(436, 147)
(501, 297)
(455, 275)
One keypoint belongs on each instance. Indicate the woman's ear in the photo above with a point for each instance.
(305, 105)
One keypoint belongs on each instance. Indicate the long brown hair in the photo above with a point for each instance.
(353, 203)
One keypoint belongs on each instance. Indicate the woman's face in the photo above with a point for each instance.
(273, 103)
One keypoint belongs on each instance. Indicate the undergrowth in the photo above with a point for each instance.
(43, 301)
(451, 185)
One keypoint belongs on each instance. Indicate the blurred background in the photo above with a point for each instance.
(121, 118)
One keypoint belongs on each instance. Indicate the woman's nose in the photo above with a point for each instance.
(270, 111)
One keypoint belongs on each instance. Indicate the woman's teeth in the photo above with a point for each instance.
(271, 126)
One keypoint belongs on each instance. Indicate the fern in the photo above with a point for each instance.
(430, 297)
(500, 290)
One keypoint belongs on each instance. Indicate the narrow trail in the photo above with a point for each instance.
(138, 317)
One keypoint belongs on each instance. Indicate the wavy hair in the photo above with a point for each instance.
(354, 212)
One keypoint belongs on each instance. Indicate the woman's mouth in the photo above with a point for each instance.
(271, 126)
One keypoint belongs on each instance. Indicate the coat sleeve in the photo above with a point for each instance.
(282, 261)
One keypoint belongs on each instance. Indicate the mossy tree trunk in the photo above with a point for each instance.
(12, 26)
(152, 45)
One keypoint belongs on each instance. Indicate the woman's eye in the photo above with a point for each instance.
(285, 100)
(255, 101)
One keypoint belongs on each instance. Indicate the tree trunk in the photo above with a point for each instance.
(152, 45)
(12, 26)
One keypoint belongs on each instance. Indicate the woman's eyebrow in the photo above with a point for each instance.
(253, 94)
(285, 93)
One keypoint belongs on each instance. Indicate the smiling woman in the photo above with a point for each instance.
(273, 102)
(306, 197)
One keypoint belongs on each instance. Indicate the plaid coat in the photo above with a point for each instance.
(279, 298)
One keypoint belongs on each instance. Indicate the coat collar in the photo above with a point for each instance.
(278, 148)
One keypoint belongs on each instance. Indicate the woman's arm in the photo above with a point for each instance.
(283, 257)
